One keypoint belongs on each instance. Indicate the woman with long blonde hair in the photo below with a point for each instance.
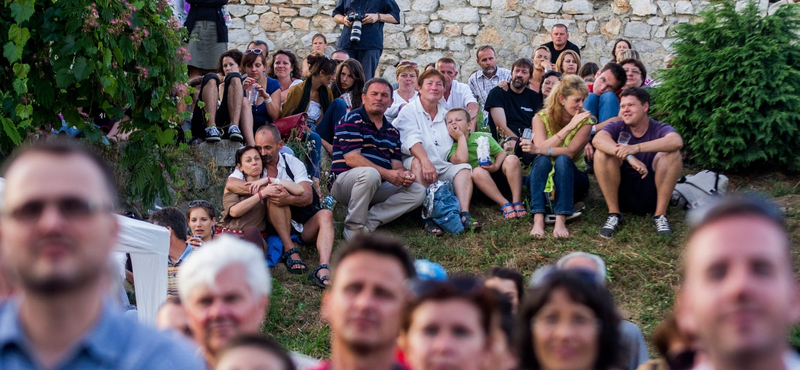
(558, 175)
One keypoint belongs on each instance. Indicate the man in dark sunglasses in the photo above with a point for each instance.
(57, 231)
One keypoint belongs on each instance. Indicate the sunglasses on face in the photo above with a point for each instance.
(254, 51)
(71, 208)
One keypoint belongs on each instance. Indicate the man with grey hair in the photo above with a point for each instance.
(631, 334)
(740, 295)
(56, 242)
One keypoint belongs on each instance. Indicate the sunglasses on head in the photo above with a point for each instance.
(200, 203)
(254, 51)
(407, 63)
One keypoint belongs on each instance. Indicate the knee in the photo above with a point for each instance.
(338, 104)
(416, 166)
(563, 161)
(370, 175)
(325, 217)
(463, 174)
(480, 173)
(609, 97)
(512, 161)
(233, 78)
(541, 163)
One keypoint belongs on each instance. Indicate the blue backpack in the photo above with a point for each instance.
(441, 206)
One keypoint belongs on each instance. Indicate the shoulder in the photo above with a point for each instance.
(497, 92)
(158, 350)
(614, 125)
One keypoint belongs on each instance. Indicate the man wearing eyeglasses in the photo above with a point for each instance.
(362, 31)
(57, 231)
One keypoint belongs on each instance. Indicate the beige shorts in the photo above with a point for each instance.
(446, 173)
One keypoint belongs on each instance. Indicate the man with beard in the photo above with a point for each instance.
(289, 214)
(511, 111)
(740, 293)
(485, 79)
(365, 304)
(56, 241)
(368, 172)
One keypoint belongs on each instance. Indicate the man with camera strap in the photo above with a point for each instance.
(362, 34)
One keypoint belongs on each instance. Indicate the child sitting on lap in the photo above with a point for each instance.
(488, 178)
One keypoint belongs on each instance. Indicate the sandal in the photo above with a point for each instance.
(520, 209)
(320, 281)
(512, 212)
(290, 262)
(433, 229)
(469, 222)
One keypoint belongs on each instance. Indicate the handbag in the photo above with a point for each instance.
(292, 126)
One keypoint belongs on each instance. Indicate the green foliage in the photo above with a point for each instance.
(734, 92)
(110, 54)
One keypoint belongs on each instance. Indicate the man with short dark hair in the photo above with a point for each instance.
(457, 94)
(638, 176)
(740, 294)
(340, 55)
(367, 165)
(365, 304)
(602, 100)
(259, 44)
(485, 79)
(559, 35)
(56, 240)
(179, 250)
(365, 44)
(511, 111)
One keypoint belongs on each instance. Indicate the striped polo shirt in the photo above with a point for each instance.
(356, 132)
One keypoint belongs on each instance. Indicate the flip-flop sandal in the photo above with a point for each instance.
(523, 210)
(290, 262)
(433, 229)
(512, 212)
(320, 281)
(469, 222)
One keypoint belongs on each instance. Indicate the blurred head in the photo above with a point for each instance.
(254, 352)
(269, 143)
(521, 72)
(225, 288)
(588, 70)
(248, 161)
(430, 66)
(56, 223)
(487, 60)
(255, 65)
(612, 78)
(676, 347)
(635, 72)
(229, 62)
(340, 55)
(565, 100)
(739, 293)
(377, 96)
(201, 218)
(619, 46)
(319, 43)
(634, 102)
(586, 261)
(448, 325)
(284, 64)
(628, 54)
(364, 303)
(459, 118)
(559, 35)
(568, 63)
(549, 80)
(448, 68)
(259, 44)
(406, 73)
(173, 220)
(508, 282)
(569, 322)
(540, 54)
(172, 317)
(431, 85)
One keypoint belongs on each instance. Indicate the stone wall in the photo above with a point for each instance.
(430, 29)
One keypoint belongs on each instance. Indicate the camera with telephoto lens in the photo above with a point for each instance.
(355, 30)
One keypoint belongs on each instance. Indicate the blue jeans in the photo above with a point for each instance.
(327, 125)
(313, 159)
(568, 181)
(604, 106)
(368, 59)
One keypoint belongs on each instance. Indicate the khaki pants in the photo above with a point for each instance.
(372, 202)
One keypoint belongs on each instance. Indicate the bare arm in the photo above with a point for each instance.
(604, 143)
(274, 108)
(499, 119)
(472, 108)
(669, 143)
(462, 153)
(241, 208)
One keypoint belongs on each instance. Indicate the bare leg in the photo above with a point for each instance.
(511, 168)
(560, 231)
(210, 95)
(320, 228)
(483, 181)
(606, 169)
(538, 225)
(328, 146)
(281, 220)
(235, 102)
(462, 184)
(247, 123)
(667, 167)
(416, 169)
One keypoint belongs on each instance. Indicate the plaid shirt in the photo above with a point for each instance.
(481, 85)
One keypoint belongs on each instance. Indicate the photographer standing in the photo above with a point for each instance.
(362, 35)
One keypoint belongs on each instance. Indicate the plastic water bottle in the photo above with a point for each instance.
(227, 16)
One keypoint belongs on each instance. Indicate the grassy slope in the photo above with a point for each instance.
(643, 268)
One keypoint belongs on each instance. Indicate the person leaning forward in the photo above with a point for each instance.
(369, 175)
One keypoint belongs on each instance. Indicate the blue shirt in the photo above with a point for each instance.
(371, 34)
(357, 132)
(114, 343)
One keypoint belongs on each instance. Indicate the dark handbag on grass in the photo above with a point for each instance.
(292, 126)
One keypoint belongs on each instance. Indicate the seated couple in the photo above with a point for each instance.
(272, 192)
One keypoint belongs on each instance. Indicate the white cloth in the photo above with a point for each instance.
(417, 126)
(397, 101)
(314, 111)
(460, 96)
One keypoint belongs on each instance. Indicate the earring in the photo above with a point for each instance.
(291, 74)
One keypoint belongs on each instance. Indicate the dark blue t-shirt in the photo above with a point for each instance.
(371, 34)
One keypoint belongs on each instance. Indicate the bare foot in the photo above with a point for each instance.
(560, 231)
(538, 226)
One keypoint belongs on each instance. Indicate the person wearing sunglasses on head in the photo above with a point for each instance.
(57, 232)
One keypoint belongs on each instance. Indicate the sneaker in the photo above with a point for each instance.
(662, 225)
(613, 220)
(349, 233)
(235, 134)
(212, 134)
